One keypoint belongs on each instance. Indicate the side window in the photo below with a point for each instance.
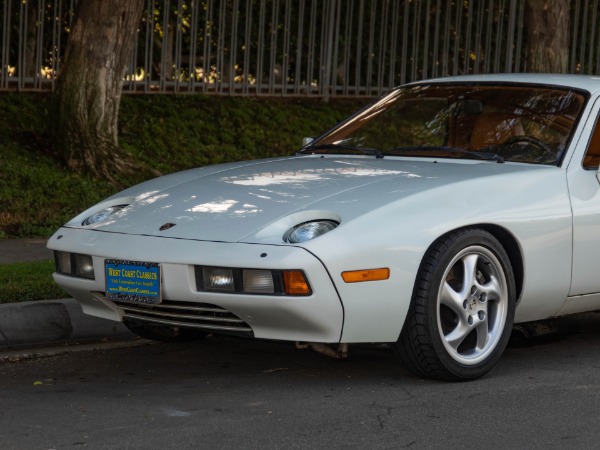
(592, 156)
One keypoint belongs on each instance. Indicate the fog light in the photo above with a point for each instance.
(218, 279)
(63, 262)
(258, 282)
(74, 264)
(84, 267)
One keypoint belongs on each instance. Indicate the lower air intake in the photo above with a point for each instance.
(201, 316)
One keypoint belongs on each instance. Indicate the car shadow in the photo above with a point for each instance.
(530, 334)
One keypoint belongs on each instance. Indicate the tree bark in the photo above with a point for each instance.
(88, 93)
(30, 41)
(547, 35)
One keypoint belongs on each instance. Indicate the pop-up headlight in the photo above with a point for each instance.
(102, 215)
(309, 230)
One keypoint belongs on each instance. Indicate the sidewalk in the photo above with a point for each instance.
(46, 322)
(23, 250)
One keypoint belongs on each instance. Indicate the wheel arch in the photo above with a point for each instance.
(513, 250)
(510, 245)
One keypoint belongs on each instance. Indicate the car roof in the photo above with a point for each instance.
(586, 82)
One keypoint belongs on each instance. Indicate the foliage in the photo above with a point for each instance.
(37, 193)
(168, 133)
(22, 282)
(176, 133)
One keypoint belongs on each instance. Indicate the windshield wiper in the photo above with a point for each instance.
(487, 156)
(342, 148)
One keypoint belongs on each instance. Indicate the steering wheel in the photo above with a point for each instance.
(545, 151)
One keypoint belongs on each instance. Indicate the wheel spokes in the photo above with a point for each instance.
(467, 291)
(452, 299)
(483, 335)
(470, 273)
(491, 289)
(458, 335)
(477, 323)
(457, 300)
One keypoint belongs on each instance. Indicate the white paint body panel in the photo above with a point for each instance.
(315, 318)
(387, 191)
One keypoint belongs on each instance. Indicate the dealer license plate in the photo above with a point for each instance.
(133, 281)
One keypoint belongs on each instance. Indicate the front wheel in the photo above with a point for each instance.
(462, 309)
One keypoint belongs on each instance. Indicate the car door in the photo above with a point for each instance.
(584, 189)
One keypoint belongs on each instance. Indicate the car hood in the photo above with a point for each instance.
(235, 202)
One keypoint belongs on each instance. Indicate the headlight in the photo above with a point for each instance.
(309, 230)
(102, 215)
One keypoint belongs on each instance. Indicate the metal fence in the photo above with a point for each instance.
(323, 48)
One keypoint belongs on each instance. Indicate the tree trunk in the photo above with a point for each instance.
(547, 35)
(88, 93)
(30, 41)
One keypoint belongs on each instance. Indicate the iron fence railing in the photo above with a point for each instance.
(324, 48)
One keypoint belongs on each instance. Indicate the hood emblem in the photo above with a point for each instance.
(166, 226)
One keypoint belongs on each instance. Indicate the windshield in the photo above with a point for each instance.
(521, 123)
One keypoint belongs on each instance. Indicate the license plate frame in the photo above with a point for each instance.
(133, 281)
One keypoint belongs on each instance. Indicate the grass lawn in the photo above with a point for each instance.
(21, 282)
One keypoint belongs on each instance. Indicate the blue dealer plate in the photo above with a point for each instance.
(133, 281)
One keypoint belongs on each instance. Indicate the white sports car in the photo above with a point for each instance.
(433, 219)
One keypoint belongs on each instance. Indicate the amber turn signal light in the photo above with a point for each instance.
(295, 283)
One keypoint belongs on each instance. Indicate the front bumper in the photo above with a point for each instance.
(315, 318)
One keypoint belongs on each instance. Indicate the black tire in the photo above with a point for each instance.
(459, 321)
(163, 333)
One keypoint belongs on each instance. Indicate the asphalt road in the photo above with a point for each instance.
(231, 393)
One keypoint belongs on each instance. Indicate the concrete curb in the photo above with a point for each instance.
(51, 322)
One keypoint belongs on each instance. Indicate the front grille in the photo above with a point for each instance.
(190, 315)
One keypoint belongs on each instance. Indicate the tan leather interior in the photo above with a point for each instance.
(493, 129)
(592, 156)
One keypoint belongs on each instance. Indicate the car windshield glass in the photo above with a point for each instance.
(520, 123)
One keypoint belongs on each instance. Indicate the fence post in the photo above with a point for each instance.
(328, 63)
(309, 40)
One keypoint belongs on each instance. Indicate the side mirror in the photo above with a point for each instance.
(306, 141)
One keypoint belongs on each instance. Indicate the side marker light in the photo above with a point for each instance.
(358, 276)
